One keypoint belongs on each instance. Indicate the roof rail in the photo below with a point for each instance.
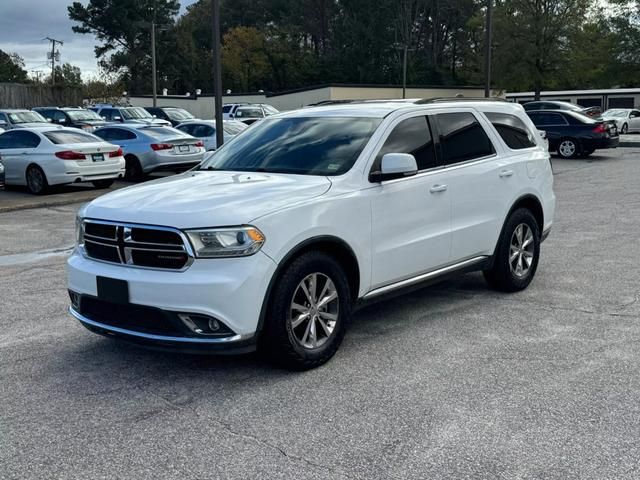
(460, 99)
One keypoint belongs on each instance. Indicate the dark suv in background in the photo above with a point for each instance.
(174, 115)
(72, 117)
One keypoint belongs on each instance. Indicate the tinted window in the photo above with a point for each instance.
(462, 137)
(226, 109)
(305, 146)
(108, 113)
(203, 131)
(542, 119)
(115, 134)
(249, 112)
(189, 129)
(410, 136)
(512, 130)
(64, 137)
(19, 139)
(162, 132)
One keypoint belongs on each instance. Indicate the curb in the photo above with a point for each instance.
(45, 204)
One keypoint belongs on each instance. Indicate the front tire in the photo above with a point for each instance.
(516, 257)
(101, 184)
(568, 148)
(133, 169)
(310, 312)
(624, 129)
(36, 180)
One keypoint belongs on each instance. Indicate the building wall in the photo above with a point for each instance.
(203, 107)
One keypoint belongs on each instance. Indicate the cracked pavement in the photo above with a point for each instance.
(454, 381)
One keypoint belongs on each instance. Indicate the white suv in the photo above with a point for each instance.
(275, 238)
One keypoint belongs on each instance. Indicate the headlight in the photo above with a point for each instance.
(226, 242)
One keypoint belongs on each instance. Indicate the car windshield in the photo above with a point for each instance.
(26, 117)
(65, 136)
(163, 132)
(133, 113)
(234, 128)
(78, 115)
(178, 114)
(304, 146)
(615, 113)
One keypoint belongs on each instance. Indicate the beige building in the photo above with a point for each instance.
(203, 106)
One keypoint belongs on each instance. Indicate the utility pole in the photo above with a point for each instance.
(217, 73)
(405, 52)
(487, 52)
(154, 79)
(54, 54)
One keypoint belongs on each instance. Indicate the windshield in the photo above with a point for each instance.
(304, 146)
(234, 128)
(26, 117)
(615, 113)
(164, 132)
(135, 113)
(178, 114)
(66, 136)
(77, 115)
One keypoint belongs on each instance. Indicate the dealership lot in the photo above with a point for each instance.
(455, 381)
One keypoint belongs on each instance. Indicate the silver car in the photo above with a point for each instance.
(152, 148)
(205, 130)
(19, 118)
(627, 119)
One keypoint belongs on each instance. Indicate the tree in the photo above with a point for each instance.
(67, 75)
(123, 27)
(12, 68)
(532, 40)
(244, 61)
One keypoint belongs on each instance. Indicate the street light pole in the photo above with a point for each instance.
(217, 73)
(154, 79)
(404, 70)
(487, 52)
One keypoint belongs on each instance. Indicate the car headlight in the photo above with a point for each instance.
(226, 242)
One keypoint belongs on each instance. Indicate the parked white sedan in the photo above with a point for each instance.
(40, 157)
(205, 130)
(627, 119)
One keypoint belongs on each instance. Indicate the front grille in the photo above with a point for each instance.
(136, 245)
(138, 318)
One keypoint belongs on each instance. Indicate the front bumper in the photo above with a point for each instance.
(230, 290)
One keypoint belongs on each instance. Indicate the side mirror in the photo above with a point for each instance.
(62, 120)
(395, 165)
(117, 118)
(49, 119)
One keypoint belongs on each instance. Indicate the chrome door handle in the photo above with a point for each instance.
(505, 173)
(438, 188)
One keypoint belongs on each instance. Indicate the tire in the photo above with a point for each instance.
(586, 153)
(103, 183)
(133, 169)
(505, 274)
(36, 180)
(295, 347)
(568, 148)
(625, 129)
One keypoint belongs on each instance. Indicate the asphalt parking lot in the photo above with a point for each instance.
(454, 381)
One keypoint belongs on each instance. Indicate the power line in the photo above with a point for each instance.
(54, 55)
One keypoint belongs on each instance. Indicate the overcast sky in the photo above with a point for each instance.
(25, 23)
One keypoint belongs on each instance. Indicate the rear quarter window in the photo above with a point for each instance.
(512, 130)
(462, 138)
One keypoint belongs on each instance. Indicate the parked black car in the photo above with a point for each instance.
(573, 134)
(174, 115)
(72, 117)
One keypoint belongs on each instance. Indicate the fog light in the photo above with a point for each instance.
(75, 300)
(214, 325)
(204, 324)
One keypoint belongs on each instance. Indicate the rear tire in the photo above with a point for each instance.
(101, 184)
(517, 254)
(305, 325)
(133, 172)
(36, 180)
(568, 148)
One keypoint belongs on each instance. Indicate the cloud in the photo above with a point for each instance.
(25, 24)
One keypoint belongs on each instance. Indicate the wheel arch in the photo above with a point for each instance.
(531, 203)
(332, 245)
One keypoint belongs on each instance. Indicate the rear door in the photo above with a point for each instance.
(16, 153)
(480, 181)
(411, 217)
(553, 123)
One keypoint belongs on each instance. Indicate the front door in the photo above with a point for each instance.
(411, 217)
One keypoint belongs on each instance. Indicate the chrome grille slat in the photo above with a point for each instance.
(166, 254)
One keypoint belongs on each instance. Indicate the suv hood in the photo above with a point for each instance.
(206, 199)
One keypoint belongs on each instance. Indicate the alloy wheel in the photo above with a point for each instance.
(314, 310)
(567, 148)
(35, 180)
(521, 250)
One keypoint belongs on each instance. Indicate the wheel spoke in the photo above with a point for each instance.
(519, 235)
(328, 299)
(301, 318)
(299, 308)
(313, 334)
(303, 285)
(514, 253)
(313, 285)
(303, 340)
(324, 326)
(328, 316)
